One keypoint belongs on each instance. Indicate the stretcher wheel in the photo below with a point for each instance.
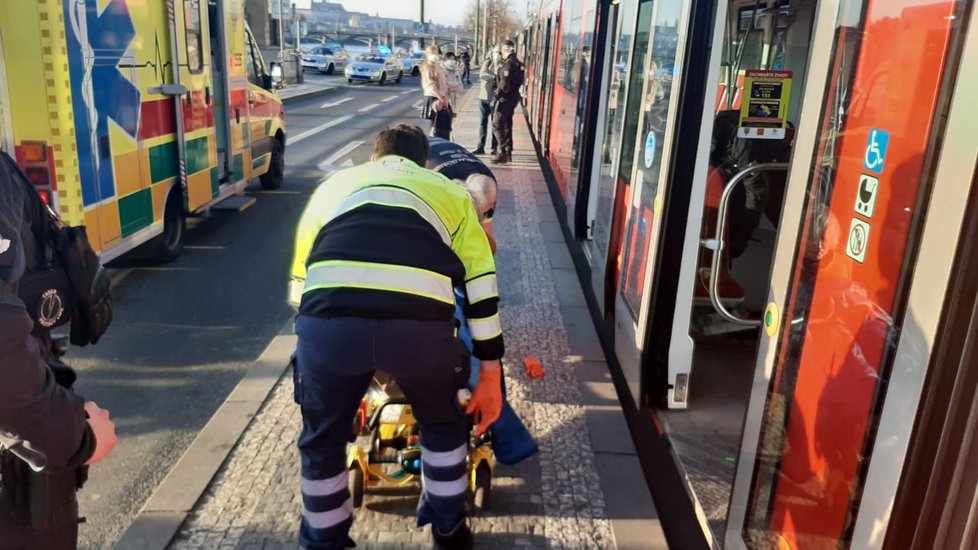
(356, 486)
(482, 495)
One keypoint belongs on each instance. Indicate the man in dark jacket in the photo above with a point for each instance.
(46, 432)
(509, 78)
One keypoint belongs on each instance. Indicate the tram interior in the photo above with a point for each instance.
(760, 35)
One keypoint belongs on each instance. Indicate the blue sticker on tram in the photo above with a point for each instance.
(876, 146)
(650, 150)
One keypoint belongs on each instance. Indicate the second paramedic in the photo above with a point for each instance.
(379, 250)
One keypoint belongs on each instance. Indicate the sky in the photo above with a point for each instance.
(443, 12)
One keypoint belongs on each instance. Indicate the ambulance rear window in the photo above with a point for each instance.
(192, 28)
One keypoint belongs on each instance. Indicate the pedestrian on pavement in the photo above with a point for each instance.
(467, 62)
(511, 441)
(47, 433)
(434, 85)
(487, 97)
(453, 74)
(379, 251)
(509, 78)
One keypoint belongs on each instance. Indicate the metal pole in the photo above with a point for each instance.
(485, 27)
(422, 17)
(281, 35)
(478, 46)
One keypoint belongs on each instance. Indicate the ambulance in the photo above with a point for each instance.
(131, 115)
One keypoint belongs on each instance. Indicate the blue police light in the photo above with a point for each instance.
(384, 50)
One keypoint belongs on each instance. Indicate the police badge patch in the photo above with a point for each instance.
(51, 308)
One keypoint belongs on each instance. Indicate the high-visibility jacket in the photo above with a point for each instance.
(391, 240)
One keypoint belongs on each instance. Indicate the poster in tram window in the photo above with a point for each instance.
(764, 111)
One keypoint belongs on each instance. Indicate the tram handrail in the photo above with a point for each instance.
(718, 243)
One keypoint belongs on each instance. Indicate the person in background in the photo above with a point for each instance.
(467, 62)
(379, 252)
(453, 74)
(509, 79)
(511, 441)
(487, 96)
(434, 85)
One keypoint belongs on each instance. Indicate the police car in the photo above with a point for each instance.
(375, 67)
(324, 59)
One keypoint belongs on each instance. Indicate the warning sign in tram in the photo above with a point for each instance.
(764, 111)
(858, 240)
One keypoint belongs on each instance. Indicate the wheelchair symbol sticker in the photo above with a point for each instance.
(876, 146)
(858, 240)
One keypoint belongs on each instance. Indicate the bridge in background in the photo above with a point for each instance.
(417, 40)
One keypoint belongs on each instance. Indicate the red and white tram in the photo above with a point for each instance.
(777, 204)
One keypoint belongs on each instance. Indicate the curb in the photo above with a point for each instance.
(314, 93)
(164, 513)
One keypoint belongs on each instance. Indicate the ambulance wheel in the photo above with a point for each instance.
(276, 166)
(415, 72)
(356, 486)
(400, 77)
(383, 79)
(349, 81)
(330, 69)
(482, 495)
(169, 244)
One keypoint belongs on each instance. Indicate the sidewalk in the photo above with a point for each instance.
(295, 92)
(584, 490)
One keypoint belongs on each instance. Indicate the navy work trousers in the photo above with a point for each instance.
(335, 361)
(485, 109)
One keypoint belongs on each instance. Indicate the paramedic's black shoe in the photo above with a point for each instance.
(350, 543)
(459, 538)
(480, 150)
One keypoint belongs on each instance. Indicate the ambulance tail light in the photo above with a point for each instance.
(38, 176)
(45, 197)
(34, 152)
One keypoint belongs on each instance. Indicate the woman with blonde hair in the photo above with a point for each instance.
(434, 85)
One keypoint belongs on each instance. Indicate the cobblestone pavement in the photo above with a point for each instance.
(553, 500)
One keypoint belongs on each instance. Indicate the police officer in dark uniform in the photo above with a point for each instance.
(47, 433)
(509, 78)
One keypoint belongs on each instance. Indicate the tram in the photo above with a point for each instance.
(777, 204)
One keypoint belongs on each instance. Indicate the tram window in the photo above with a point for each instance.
(194, 35)
(656, 98)
(852, 269)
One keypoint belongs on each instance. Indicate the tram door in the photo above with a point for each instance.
(883, 159)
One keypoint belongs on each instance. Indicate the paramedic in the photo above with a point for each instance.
(456, 163)
(378, 252)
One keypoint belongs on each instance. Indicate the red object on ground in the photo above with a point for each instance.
(533, 367)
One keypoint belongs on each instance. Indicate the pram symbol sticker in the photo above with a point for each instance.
(876, 146)
(866, 195)
(858, 240)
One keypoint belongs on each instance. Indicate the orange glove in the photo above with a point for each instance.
(487, 398)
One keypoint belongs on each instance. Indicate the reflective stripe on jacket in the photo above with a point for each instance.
(390, 240)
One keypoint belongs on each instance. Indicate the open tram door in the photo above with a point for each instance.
(884, 162)
(797, 359)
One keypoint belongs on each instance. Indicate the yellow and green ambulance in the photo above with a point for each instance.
(129, 115)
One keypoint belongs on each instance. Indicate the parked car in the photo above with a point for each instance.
(324, 59)
(372, 67)
(411, 62)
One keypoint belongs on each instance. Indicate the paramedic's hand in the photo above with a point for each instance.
(487, 397)
(104, 430)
